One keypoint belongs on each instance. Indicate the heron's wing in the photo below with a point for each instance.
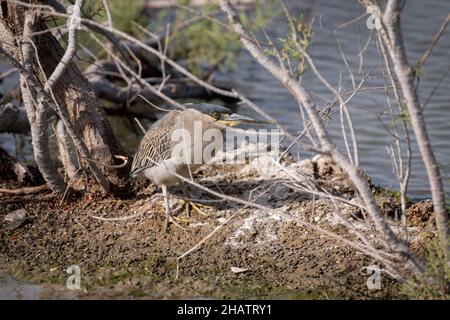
(156, 146)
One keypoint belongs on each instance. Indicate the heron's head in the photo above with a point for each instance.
(223, 115)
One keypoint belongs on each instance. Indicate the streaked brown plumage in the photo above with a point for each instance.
(156, 145)
(155, 157)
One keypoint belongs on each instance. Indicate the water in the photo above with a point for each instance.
(12, 289)
(421, 19)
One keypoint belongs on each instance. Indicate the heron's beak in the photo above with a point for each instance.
(235, 119)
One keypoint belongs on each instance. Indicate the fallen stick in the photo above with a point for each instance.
(25, 191)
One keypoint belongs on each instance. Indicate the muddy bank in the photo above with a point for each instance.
(256, 254)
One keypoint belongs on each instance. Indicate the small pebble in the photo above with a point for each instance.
(16, 218)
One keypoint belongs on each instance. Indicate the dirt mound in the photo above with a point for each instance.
(420, 213)
(122, 251)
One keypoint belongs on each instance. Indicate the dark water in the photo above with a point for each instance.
(12, 289)
(421, 19)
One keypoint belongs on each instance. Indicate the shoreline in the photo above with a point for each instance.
(256, 254)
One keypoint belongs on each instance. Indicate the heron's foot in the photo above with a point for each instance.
(197, 206)
(174, 220)
(171, 219)
(182, 219)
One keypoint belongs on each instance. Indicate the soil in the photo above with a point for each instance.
(135, 258)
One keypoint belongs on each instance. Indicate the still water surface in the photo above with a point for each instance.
(421, 19)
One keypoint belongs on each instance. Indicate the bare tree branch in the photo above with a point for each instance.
(37, 114)
(393, 40)
(71, 47)
(355, 173)
(436, 38)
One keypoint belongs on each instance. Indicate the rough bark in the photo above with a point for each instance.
(37, 115)
(75, 93)
(65, 154)
(72, 91)
(36, 112)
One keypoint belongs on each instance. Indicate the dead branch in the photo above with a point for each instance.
(177, 88)
(25, 191)
(354, 172)
(145, 47)
(393, 40)
(37, 112)
(436, 38)
(71, 46)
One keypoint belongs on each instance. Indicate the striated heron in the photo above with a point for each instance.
(156, 157)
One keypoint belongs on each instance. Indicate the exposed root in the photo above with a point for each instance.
(26, 190)
(113, 166)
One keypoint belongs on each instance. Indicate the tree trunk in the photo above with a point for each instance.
(72, 90)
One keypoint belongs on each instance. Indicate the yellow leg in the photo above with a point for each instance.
(169, 217)
(167, 207)
(188, 204)
(197, 207)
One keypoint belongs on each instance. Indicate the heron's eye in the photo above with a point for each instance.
(216, 115)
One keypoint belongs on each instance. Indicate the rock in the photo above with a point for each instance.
(16, 218)
(238, 270)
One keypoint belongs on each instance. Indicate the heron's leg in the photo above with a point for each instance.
(185, 189)
(168, 210)
(167, 206)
